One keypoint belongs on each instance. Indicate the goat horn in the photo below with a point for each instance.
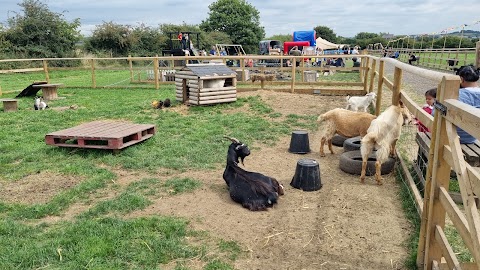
(232, 139)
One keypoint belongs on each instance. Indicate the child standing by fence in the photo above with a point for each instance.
(430, 97)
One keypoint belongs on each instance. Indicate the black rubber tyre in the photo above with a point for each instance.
(338, 140)
(351, 162)
(352, 144)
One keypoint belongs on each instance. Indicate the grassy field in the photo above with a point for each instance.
(100, 238)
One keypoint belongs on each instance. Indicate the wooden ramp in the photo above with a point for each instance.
(113, 135)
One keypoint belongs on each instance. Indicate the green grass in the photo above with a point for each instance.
(61, 201)
(179, 185)
(231, 247)
(459, 248)
(104, 243)
(412, 216)
(122, 204)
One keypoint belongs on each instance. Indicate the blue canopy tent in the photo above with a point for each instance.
(309, 36)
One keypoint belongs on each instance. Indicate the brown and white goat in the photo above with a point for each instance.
(344, 122)
(383, 134)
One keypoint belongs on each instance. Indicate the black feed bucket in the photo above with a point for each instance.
(299, 143)
(307, 175)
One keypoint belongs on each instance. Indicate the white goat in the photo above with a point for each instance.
(383, 134)
(357, 103)
(39, 104)
(344, 122)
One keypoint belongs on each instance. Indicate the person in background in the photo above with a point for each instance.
(318, 52)
(469, 93)
(395, 55)
(411, 58)
(430, 98)
(212, 51)
(296, 52)
(355, 62)
(355, 52)
(185, 41)
(339, 62)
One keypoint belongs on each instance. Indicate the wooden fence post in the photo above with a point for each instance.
(45, 69)
(131, 67)
(438, 175)
(365, 74)
(303, 70)
(477, 55)
(94, 82)
(397, 86)
(262, 82)
(381, 70)
(372, 74)
(242, 66)
(155, 72)
(294, 64)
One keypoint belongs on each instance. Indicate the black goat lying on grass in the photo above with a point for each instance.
(254, 191)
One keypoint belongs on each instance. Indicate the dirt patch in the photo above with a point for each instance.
(180, 109)
(124, 178)
(66, 108)
(36, 188)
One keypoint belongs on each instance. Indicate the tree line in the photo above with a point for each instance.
(38, 32)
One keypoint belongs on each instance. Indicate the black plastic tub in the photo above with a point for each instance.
(307, 175)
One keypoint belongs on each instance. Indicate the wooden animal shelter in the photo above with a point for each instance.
(204, 84)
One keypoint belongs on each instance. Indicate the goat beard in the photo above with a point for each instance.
(241, 160)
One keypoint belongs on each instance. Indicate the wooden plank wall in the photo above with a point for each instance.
(200, 95)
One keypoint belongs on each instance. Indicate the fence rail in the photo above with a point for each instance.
(149, 70)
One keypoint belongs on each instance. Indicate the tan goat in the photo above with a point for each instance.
(344, 122)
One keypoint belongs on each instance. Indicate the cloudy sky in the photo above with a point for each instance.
(346, 18)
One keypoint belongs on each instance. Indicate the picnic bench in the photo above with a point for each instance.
(9, 104)
(49, 90)
(471, 153)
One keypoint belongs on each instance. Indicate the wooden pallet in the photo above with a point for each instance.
(113, 135)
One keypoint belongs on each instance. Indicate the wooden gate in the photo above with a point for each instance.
(434, 251)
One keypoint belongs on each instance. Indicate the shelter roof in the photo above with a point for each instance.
(206, 70)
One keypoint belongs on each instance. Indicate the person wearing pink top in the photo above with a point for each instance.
(430, 97)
